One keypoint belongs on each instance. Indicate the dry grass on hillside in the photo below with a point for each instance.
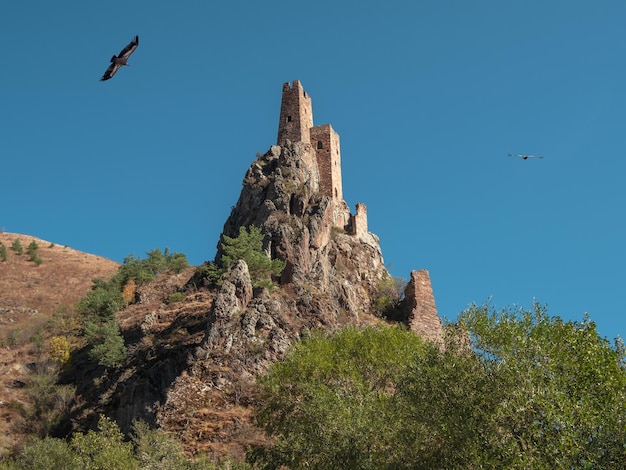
(32, 298)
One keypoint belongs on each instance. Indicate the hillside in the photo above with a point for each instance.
(31, 297)
(197, 344)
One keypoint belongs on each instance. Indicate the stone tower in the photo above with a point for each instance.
(296, 114)
(296, 125)
(326, 143)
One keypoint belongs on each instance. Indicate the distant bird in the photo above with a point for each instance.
(524, 157)
(122, 59)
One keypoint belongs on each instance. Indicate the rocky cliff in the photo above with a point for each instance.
(331, 278)
(193, 364)
(332, 271)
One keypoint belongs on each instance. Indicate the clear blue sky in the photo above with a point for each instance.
(427, 96)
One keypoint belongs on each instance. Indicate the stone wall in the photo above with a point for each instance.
(325, 141)
(419, 307)
(358, 222)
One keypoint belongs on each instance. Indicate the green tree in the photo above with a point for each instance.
(3, 252)
(47, 453)
(157, 450)
(509, 389)
(107, 342)
(330, 403)
(17, 246)
(105, 449)
(176, 261)
(560, 389)
(33, 252)
(102, 301)
(248, 246)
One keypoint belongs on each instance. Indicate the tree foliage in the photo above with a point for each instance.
(248, 246)
(107, 448)
(106, 298)
(33, 253)
(17, 246)
(330, 403)
(510, 389)
(108, 348)
(561, 389)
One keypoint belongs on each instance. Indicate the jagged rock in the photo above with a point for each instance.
(334, 272)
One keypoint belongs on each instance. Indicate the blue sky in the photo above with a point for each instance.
(427, 96)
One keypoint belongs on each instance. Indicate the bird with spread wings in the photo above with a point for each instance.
(523, 157)
(118, 61)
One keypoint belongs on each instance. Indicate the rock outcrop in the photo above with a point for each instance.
(211, 353)
(310, 231)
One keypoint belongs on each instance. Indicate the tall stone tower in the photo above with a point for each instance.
(326, 143)
(296, 125)
(296, 114)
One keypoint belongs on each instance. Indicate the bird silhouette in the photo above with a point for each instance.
(523, 157)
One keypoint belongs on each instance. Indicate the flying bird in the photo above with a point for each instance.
(524, 157)
(121, 59)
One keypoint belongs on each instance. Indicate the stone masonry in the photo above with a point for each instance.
(419, 307)
(296, 125)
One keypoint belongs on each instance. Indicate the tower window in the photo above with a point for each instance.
(288, 118)
(320, 145)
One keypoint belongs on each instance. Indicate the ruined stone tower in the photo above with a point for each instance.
(296, 114)
(296, 125)
(419, 307)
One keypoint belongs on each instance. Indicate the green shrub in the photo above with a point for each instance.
(248, 246)
(388, 296)
(33, 254)
(49, 399)
(107, 342)
(48, 453)
(17, 246)
(176, 297)
(104, 449)
(102, 302)
(206, 275)
(3, 252)
(156, 450)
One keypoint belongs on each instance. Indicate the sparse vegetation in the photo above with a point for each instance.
(107, 448)
(50, 400)
(106, 298)
(33, 253)
(248, 246)
(206, 275)
(17, 246)
(176, 297)
(388, 297)
(3, 252)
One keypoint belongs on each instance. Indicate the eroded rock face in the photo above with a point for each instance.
(309, 231)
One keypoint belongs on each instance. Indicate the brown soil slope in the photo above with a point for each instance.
(30, 295)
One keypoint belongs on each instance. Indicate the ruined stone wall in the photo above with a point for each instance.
(358, 222)
(419, 307)
(296, 114)
(325, 141)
